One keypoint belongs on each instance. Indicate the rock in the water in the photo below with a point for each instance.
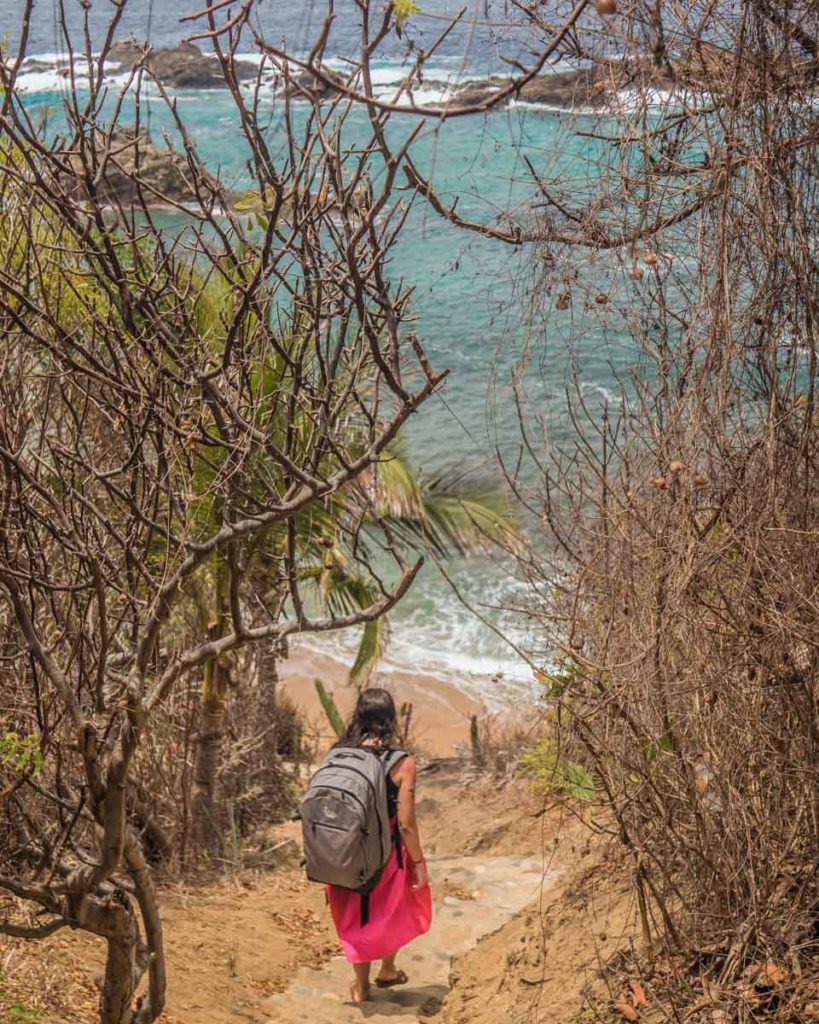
(322, 88)
(163, 174)
(568, 90)
(470, 93)
(590, 88)
(126, 52)
(30, 64)
(182, 67)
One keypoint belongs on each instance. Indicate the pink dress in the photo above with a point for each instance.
(397, 913)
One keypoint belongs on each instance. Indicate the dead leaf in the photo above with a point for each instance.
(773, 973)
(639, 994)
(626, 1009)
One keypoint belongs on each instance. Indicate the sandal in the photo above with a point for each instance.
(363, 996)
(399, 979)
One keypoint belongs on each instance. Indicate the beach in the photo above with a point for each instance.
(441, 709)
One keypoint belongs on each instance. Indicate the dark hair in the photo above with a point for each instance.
(374, 718)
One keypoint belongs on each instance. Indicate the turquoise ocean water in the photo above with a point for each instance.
(473, 296)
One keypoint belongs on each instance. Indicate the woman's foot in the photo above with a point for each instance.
(387, 978)
(359, 993)
(360, 988)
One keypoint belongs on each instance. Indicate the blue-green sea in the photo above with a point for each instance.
(480, 304)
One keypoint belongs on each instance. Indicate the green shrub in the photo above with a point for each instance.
(550, 771)
(20, 752)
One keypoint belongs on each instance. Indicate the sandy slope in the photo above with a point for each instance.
(535, 968)
(441, 708)
(234, 944)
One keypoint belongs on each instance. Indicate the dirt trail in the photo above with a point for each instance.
(233, 950)
(490, 891)
(234, 946)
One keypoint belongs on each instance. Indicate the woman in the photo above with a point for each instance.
(400, 906)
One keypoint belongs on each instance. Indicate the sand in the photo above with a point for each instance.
(233, 942)
(441, 711)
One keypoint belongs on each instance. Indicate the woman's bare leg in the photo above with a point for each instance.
(360, 988)
(388, 972)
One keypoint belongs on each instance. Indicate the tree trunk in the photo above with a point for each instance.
(267, 772)
(206, 818)
(152, 950)
(268, 690)
(267, 702)
(155, 840)
(119, 981)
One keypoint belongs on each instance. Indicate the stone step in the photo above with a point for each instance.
(480, 895)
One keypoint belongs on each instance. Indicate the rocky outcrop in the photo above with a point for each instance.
(125, 53)
(180, 67)
(584, 89)
(567, 90)
(322, 88)
(163, 174)
(32, 64)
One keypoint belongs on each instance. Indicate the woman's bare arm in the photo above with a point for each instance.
(403, 775)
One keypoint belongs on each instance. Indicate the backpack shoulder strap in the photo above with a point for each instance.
(391, 758)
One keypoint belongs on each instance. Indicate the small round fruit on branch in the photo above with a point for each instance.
(606, 6)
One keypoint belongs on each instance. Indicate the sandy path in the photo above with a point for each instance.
(482, 894)
(235, 944)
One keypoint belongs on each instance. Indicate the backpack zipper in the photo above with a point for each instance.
(326, 824)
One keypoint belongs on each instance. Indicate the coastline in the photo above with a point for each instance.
(441, 711)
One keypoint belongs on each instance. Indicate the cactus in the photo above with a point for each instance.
(405, 718)
(330, 709)
(474, 739)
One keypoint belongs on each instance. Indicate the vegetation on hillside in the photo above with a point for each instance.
(199, 458)
(675, 619)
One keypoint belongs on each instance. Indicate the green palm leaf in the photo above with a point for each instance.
(370, 650)
(447, 513)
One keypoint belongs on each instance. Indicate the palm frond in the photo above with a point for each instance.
(343, 592)
(392, 487)
(370, 651)
(449, 513)
(460, 521)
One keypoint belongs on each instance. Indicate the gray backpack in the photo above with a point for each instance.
(344, 818)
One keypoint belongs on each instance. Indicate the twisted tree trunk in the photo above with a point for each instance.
(120, 970)
(205, 813)
(268, 686)
(267, 704)
(155, 840)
